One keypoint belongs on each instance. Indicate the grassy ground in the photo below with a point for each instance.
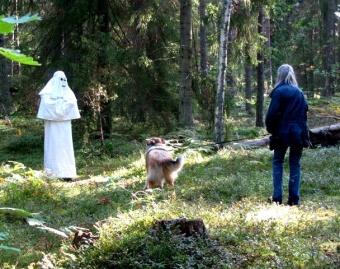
(228, 190)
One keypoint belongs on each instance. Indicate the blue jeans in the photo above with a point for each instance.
(295, 154)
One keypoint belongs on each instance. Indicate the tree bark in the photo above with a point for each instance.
(222, 63)
(185, 94)
(260, 77)
(5, 95)
(206, 93)
(310, 68)
(105, 120)
(328, 8)
(247, 78)
(16, 67)
(203, 40)
(268, 60)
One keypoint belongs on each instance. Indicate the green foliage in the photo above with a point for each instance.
(131, 72)
(166, 250)
(16, 56)
(25, 144)
(3, 237)
(24, 19)
(122, 62)
(7, 25)
(22, 185)
(227, 190)
(22, 143)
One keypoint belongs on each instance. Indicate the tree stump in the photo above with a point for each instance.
(181, 226)
(84, 238)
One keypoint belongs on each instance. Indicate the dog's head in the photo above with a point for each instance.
(155, 141)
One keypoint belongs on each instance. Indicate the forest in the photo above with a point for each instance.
(200, 74)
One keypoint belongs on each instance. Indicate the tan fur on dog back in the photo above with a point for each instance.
(160, 165)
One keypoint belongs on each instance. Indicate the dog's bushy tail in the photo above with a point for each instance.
(175, 165)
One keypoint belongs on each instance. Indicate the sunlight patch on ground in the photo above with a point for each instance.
(123, 171)
(139, 162)
(283, 213)
(288, 214)
(194, 157)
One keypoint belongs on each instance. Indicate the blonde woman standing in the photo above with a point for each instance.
(286, 120)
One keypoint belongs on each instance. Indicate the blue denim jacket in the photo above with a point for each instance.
(286, 118)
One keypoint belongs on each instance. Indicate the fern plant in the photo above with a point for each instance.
(3, 237)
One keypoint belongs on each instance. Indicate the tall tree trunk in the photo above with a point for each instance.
(268, 60)
(206, 92)
(194, 34)
(5, 96)
(260, 77)
(222, 63)
(203, 40)
(247, 78)
(16, 67)
(310, 67)
(328, 8)
(185, 94)
(337, 46)
(105, 120)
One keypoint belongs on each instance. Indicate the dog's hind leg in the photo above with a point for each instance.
(147, 185)
(170, 177)
(155, 178)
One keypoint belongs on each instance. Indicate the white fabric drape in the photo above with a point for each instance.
(58, 102)
(58, 149)
(58, 106)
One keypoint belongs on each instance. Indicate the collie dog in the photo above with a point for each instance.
(160, 165)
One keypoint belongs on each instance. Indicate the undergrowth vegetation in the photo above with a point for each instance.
(227, 189)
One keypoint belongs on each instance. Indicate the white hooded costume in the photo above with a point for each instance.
(58, 106)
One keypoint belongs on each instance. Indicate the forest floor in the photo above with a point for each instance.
(227, 189)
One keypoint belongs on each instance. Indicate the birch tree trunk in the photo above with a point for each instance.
(185, 94)
(260, 77)
(222, 63)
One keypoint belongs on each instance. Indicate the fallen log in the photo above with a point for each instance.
(324, 136)
(17, 212)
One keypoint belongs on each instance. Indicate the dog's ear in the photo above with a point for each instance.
(159, 140)
(150, 141)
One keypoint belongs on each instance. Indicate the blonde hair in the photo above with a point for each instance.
(285, 73)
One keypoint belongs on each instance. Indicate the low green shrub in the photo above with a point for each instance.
(25, 144)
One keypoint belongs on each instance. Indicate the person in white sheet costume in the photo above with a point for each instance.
(58, 106)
